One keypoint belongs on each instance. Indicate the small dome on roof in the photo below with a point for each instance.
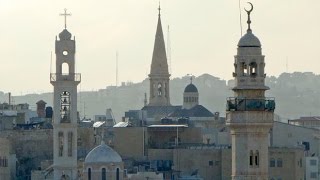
(249, 40)
(103, 154)
(191, 88)
(65, 35)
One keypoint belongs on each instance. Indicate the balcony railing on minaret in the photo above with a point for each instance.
(247, 104)
(65, 77)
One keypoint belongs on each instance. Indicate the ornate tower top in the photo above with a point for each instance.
(249, 12)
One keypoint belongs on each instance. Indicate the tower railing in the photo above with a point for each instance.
(65, 77)
(250, 104)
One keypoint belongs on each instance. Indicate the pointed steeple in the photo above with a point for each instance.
(159, 73)
(159, 58)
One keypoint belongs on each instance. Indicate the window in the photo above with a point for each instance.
(65, 69)
(244, 69)
(104, 174)
(313, 162)
(256, 159)
(70, 137)
(313, 175)
(251, 158)
(279, 162)
(65, 107)
(159, 89)
(60, 137)
(118, 174)
(89, 173)
(210, 163)
(65, 52)
(272, 163)
(253, 69)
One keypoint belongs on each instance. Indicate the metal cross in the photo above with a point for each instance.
(65, 14)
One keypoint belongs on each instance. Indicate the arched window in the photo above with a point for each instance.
(253, 69)
(60, 137)
(159, 89)
(65, 69)
(89, 173)
(118, 174)
(65, 107)
(251, 158)
(244, 69)
(103, 174)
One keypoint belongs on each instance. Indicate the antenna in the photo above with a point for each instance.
(51, 63)
(287, 64)
(117, 56)
(169, 50)
(240, 17)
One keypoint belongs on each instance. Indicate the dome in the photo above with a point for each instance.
(249, 40)
(65, 35)
(103, 154)
(191, 88)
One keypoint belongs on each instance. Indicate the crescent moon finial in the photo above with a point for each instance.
(249, 12)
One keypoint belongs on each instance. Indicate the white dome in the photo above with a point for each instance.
(249, 40)
(103, 154)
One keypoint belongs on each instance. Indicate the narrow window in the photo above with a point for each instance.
(118, 174)
(251, 158)
(70, 138)
(65, 107)
(253, 69)
(257, 158)
(159, 89)
(279, 162)
(104, 174)
(60, 135)
(89, 173)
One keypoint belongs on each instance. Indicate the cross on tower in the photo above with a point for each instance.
(65, 14)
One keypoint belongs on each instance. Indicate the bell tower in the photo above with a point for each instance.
(159, 73)
(65, 82)
(249, 114)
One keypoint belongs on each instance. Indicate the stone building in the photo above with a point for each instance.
(249, 114)
(65, 120)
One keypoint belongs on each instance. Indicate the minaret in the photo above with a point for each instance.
(65, 82)
(250, 113)
(159, 74)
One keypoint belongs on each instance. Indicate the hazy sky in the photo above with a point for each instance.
(204, 35)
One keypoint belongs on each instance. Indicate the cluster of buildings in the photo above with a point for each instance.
(161, 140)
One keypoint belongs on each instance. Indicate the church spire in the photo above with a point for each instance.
(159, 58)
(159, 73)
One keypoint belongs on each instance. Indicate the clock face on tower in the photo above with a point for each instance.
(65, 53)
